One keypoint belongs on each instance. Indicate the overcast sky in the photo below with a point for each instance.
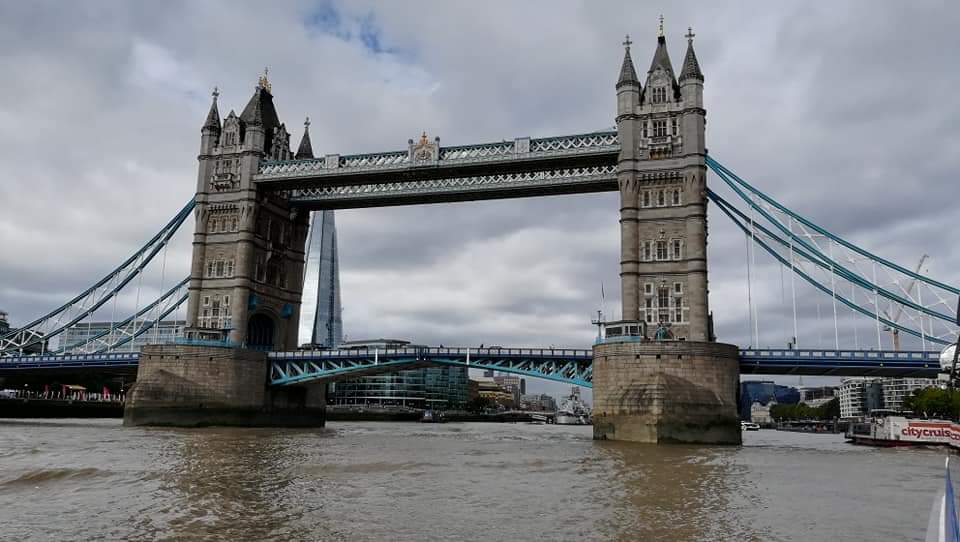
(845, 111)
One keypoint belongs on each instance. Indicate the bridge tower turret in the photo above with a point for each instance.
(676, 384)
(248, 249)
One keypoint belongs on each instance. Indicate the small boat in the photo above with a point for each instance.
(539, 419)
(749, 426)
(433, 416)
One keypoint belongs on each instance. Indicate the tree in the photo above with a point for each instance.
(934, 403)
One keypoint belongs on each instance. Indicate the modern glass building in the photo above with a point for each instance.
(321, 322)
(427, 388)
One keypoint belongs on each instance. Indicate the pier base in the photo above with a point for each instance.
(190, 386)
(670, 391)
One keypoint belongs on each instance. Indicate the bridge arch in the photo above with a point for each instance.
(261, 331)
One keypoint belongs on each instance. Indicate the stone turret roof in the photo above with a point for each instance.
(628, 75)
(260, 111)
(661, 58)
(213, 117)
(691, 68)
(306, 149)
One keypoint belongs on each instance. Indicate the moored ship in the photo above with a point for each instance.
(573, 411)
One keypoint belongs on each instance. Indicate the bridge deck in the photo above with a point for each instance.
(572, 366)
(523, 167)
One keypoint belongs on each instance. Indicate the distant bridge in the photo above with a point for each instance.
(570, 366)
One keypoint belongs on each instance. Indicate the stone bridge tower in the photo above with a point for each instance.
(248, 247)
(677, 384)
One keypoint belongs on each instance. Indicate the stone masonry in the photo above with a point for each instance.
(181, 385)
(662, 392)
(681, 387)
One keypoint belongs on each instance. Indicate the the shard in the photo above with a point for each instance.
(320, 313)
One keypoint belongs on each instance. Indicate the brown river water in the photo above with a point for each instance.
(96, 480)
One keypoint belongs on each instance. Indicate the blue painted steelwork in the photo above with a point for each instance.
(70, 361)
(839, 363)
(82, 306)
(561, 365)
(742, 222)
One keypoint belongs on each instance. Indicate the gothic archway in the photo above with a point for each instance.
(260, 332)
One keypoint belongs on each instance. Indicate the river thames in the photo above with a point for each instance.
(95, 480)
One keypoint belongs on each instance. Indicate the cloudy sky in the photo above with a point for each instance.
(846, 111)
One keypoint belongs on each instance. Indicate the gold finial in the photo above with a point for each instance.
(263, 82)
(423, 138)
(660, 30)
(627, 43)
(690, 34)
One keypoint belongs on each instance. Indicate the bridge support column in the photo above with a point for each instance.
(662, 392)
(190, 386)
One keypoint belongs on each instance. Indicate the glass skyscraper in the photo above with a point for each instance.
(321, 323)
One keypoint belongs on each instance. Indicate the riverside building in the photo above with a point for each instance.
(426, 388)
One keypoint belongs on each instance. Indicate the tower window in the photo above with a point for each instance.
(676, 249)
(659, 128)
(661, 199)
(646, 198)
(677, 288)
(676, 196)
(648, 288)
(647, 253)
(659, 95)
(661, 250)
(673, 127)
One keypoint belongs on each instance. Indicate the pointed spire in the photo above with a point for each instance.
(660, 57)
(306, 149)
(628, 75)
(213, 117)
(691, 68)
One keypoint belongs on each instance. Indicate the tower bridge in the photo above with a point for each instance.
(238, 363)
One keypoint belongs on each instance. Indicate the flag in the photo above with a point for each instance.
(603, 297)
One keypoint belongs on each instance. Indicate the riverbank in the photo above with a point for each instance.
(59, 408)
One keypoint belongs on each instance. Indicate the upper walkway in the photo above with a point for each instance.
(571, 366)
(429, 173)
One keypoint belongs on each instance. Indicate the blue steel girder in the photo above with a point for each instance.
(839, 363)
(520, 168)
(302, 367)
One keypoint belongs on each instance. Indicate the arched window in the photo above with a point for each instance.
(676, 196)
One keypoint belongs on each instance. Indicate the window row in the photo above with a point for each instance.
(662, 251)
(220, 268)
(271, 272)
(658, 127)
(215, 312)
(667, 197)
(223, 223)
(666, 306)
(277, 232)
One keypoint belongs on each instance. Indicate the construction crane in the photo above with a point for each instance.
(896, 317)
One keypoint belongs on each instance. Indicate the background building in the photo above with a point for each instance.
(4, 323)
(511, 384)
(817, 396)
(763, 392)
(430, 387)
(488, 388)
(859, 396)
(321, 316)
(538, 402)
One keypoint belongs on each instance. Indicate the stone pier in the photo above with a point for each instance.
(191, 386)
(666, 392)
